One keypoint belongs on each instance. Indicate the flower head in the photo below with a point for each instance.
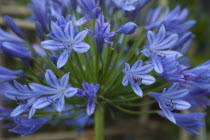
(137, 75)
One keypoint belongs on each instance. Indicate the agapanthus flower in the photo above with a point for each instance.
(89, 91)
(171, 99)
(102, 33)
(157, 47)
(23, 96)
(65, 39)
(92, 11)
(137, 75)
(25, 126)
(127, 5)
(174, 21)
(55, 94)
(7, 74)
(190, 122)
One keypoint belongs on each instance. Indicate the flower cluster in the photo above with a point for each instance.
(110, 63)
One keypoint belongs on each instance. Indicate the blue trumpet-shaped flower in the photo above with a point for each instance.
(190, 122)
(7, 74)
(89, 91)
(92, 11)
(65, 39)
(157, 47)
(25, 126)
(54, 94)
(137, 75)
(127, 5)
(102, 33)
(172, 99)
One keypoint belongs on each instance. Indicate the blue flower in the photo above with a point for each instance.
(92, 11)
(7, 74)
(190, 122)
(23, 96)
(127, 5)
(54, 94)
(26, 126)
(65, 39)
(174, 21)
(102, 33)
(157, 47)
(137, 75)
(172, 99)
(89, 91)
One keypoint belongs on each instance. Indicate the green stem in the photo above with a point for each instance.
(99, 123)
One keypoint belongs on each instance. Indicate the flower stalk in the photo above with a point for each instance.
(99, 123)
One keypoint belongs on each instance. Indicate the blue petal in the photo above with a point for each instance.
(150, 37)
(137, 90)
(146, 69)
(90, 106)
(41, 103)
(69, 30)
(169, 53)
(51, 78)
(81, 47)
(181, 105)
(125, 80)
(18, 110)
(13, 26)
(60, 104)
(62, 59)
(40, 89)
(70, 91)
(128, 28)
(58, 32)
(52, 45)
(82, 21)
(147, 79)
(157, 64)
(32, 112)
(65, 80)
(137, 65)
(167, 43)
(167, 113)
(80, 36)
